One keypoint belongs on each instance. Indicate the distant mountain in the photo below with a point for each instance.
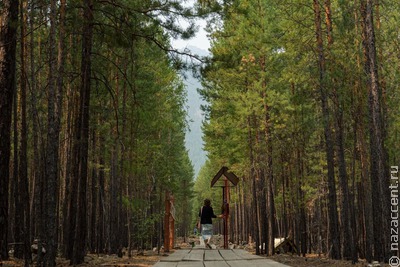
(198, 51)
(193, 140)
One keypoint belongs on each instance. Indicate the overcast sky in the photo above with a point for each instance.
(200, 40)
(194, 142)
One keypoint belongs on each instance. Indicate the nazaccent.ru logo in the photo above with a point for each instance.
(394, 261)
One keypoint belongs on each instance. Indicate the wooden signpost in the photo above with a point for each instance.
(225, 180)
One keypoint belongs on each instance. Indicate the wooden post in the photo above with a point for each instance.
(225, 189)
(233, 179)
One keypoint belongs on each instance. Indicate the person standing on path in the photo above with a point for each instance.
(206, 214)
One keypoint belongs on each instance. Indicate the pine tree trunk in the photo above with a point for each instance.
(365, 193)
(69, 209)
(23, 157)
(263, 211)
(71, 196)
(14, 179)
(93, 217)
(79, 249)
(254, 204)
(243, 229)
(128, 213)
(378, 177)
(261, 192)
(348, 245)
(270, 196)
(18, 211)
(52, 154)
(35, 173)
(283, 228)
(301, 208)
(101, 192)
(334, 235)
(364, 188)
(8, 38)
(113, 226)
(123, 211)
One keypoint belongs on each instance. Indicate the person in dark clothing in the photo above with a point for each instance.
(206, 214)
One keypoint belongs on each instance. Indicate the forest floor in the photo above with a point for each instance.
(145, 259)
(150, 257)
(313, 260)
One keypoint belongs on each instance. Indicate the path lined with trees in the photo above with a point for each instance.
(303, 106)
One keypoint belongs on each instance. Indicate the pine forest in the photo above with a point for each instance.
(302, 104)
